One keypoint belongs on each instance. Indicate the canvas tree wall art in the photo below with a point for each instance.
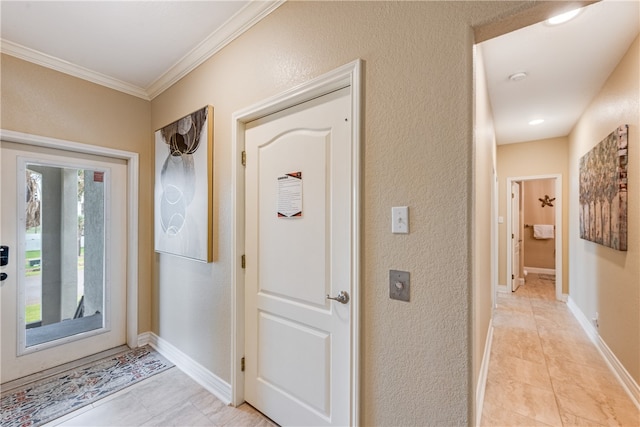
(603, 191)
(183, 187)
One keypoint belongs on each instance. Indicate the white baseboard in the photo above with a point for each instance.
(626, 380)
(537, 270)
(144, 339)
(482, 375)
(502, 288)
(204, 377)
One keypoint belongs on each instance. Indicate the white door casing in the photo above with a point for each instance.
(124, 253)
(290, 308)
(515, 236)
(511, 213)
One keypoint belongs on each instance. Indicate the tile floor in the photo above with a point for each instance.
(544, 370)
(170, 398)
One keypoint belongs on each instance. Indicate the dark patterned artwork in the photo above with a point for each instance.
(603, 191)
(183, 187)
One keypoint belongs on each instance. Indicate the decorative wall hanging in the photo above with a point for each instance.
(603, 191)
(183, 187)
(547, 201)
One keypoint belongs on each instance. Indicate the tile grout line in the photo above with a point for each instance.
(546, 364)
(555, 333)
(528, 298)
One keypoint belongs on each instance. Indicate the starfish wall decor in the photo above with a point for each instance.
(547, 201)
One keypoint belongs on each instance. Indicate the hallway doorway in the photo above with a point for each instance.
(527, 232)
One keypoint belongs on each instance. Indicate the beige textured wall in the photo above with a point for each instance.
(604, 280)
(41, 101)
(539, 253)
(544, 157)
(484, 224)
(418, 113)
(417, 151)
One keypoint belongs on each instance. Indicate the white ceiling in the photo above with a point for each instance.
(138, 47)
(566, 65)
(143, 47)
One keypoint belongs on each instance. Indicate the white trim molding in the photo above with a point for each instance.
(537, 270)
(624, 377)
(132, 209)
(482, 375)
(348, 75)
(229, 31)
(247, 17)
(214, 384)
(57, 64)
(558, 223)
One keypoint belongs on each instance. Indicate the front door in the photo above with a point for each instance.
(299, 250)
(63, 220)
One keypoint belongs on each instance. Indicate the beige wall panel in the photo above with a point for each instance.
(483, 215)
(417, 150)
(40, 101)
(604, 280)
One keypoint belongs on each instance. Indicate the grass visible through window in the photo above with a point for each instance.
(33, 313)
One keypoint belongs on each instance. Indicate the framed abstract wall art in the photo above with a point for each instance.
(603, 191)
(183, 223)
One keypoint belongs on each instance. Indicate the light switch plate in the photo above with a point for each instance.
(399, 285)
(400, 219)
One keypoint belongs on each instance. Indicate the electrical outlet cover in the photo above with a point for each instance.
(399, 285)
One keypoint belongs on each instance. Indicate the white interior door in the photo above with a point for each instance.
(299, 247)
(515, 236)
(100, 276)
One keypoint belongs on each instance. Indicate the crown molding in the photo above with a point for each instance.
(230, 30)
(48, 61)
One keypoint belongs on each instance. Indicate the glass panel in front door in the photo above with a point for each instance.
(64, 283)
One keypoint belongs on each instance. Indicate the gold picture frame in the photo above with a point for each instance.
(183, 196)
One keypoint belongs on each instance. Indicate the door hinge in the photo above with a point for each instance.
(513, 196)
(512, 277)
(244, 158)
(243, 261)
(242, 364)
(512, 236)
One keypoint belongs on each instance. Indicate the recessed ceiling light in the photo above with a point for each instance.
(563, 17)
(536, 122)
(516, 77)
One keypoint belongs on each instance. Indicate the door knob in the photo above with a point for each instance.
(343, 297)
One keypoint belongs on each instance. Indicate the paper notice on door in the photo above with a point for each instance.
(290, 195)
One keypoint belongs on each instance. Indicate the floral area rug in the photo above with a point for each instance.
(37, 403)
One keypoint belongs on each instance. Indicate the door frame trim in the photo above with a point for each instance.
(510, 282)
(558, 224)
(132, 209)
(344, 76)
